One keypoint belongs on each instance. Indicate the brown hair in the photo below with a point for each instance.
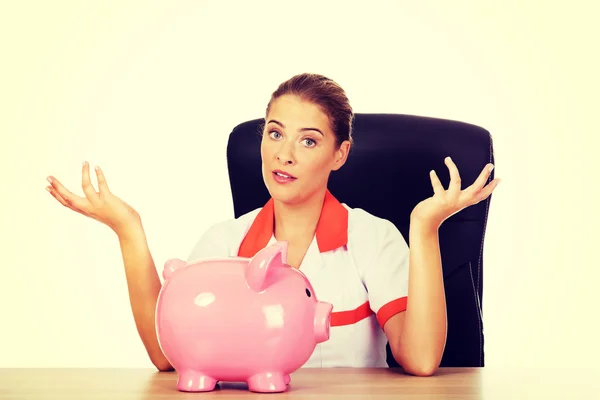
(326, 94)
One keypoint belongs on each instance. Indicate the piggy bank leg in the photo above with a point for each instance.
(287, 379)
(193, 381)
(267, 382)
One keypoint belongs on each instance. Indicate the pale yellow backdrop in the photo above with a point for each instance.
(150, 91)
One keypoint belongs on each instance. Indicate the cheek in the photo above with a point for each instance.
(265, 151)
(319, 164)
(268, 146)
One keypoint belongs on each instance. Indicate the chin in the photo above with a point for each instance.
(289, 193)
(283, 194)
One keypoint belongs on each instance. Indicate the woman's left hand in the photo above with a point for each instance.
(445, 203)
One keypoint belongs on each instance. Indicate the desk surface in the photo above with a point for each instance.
(447, 383)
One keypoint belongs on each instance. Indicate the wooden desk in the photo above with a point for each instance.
(447, 383)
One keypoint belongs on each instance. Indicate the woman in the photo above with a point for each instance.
(356, 261)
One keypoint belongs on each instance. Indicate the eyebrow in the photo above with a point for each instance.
(301, 130)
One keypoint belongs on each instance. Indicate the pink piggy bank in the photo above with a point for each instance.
(239, 320)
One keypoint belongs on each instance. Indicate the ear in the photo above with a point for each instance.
(171, 265)
(341, 155)
(263, 263)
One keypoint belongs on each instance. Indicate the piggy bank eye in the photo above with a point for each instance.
(308, 292)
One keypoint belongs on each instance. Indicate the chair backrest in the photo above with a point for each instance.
(387, 174)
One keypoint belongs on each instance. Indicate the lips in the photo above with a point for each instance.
(283, 174)
(283, 177)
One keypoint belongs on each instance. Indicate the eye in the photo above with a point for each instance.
(273, 133)
(311, 142)
(308, 293)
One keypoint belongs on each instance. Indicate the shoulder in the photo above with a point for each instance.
(370, 237)
(231, 227)
(223, 238)
(367, 228)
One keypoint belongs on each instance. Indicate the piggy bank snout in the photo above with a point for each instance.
(322, 321)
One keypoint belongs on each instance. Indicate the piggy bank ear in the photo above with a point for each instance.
(171, 265)
(263, 263)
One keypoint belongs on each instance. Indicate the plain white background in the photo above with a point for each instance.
(151, 90)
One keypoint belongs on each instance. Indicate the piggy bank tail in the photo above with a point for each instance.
(171, 266)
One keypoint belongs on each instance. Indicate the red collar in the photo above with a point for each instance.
(332, 228)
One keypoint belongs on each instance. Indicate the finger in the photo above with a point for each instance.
(61, 200)
(102, 185)
(482, 178)
(86, 184)
(455, 183)
(77, 202)
(57, 196)
(485, 192)
(476, 187)
(435, 183)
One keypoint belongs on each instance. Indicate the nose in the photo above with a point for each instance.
(285, 155)
(322, 322)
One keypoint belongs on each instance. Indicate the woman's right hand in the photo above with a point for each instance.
(103, 206)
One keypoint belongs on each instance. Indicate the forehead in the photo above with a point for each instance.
(297, 113)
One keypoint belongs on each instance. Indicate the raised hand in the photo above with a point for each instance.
(101, 205)
(445, 203)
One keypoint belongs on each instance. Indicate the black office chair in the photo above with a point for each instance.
(391, 158)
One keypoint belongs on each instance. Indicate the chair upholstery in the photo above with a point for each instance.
(387, 174)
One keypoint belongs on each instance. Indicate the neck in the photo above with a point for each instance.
(293, 220)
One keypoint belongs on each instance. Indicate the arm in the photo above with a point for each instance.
(418, 336)
(143, 285)
(142, 279)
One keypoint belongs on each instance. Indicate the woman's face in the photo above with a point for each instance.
(298, 150)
